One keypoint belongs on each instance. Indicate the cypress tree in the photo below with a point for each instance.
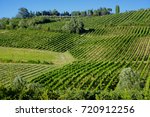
(117, 9)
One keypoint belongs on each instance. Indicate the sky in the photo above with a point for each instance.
(9, 8)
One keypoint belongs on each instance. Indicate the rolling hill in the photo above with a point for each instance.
(93, 60)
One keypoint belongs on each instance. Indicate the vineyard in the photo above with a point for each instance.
(110, 44)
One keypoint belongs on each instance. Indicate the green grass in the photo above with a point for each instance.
(31, 55)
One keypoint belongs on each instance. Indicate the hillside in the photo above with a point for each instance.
(110, 44)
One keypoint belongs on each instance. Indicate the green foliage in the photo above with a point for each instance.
(83, 13)
(116, 42)
(21, 90)
(19, 84)
(33, 23)
(23, 13)
(33, 91)
(102, 11)
(72, 95)
(23, 23)
(4, 22)
(128, 80)
(117, 9)
(2, 26)
(74, 26)
(39, 20)
(90, 12)
(121, 95)
(75, 13)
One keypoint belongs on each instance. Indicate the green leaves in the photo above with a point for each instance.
(74, 26)
(128, 80)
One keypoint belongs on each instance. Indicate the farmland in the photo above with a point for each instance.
(17, 55)
(90, 62)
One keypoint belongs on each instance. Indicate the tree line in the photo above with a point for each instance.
(24, 13)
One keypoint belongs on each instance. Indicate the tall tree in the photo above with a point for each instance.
(55, 12)
(117, 9)
(66, 13)
(23, 13)
(90, 12)
(38, 13)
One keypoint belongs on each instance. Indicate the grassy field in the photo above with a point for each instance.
(15, 55)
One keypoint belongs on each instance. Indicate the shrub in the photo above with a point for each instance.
(73, 26)
(18, 84)
(38, 20)
(2, 26)
(33, 91)
(22, 23)
(128, 80)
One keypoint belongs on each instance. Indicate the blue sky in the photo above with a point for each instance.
(9, 8)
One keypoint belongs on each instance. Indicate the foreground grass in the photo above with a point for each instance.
(34, 56)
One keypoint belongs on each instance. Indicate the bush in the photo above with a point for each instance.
(2, 26)
(19, 84)
(38, 20)
(22, 23)
(121, 95)
(128, 80)
(33, 91)
(73, 26)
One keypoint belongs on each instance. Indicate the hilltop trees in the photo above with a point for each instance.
(117, 9)
(23, 13)
(66, 13)
(90, 12)
(102, 11)
(75, 13)
(83, 13)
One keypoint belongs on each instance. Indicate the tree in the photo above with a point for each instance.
(66, 13)
(73, 26)
(19, 83)
(128, 80)
(90, 12)
(45, 13)
(83, 13)
(38, 13)
(96, 13)
(4, 22)
(31, 14)
(75, 13)
(117, 9)
(55, 12)
(23, 13)
(109, 10)
(2, 26)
